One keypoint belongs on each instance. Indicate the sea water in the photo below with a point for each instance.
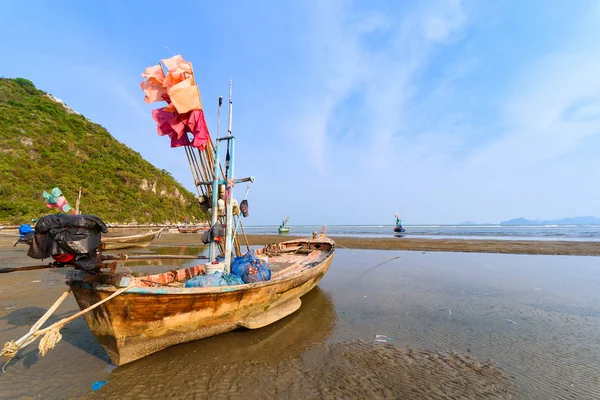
(516, 232)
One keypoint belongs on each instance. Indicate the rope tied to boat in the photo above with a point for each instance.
(272, 249)
(51, 334)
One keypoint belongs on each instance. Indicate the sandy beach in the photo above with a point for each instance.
(426, 324)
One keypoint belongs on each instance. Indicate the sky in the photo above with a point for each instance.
(348, 112)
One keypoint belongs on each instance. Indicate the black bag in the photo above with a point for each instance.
(215, 231)
(68, 234)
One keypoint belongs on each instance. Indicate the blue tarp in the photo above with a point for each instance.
(214, 279)
(250, 269)
(24, 229)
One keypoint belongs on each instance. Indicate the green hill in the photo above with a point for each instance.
(43, 144)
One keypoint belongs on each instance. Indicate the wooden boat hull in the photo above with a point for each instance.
(126, 242)
(145, 320)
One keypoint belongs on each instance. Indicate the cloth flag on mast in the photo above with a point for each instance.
(183, 114)
(57, 200)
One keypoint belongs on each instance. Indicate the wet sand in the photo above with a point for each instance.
(442, 316)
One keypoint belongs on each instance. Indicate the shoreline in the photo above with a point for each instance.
(532, 247)
(538, 247)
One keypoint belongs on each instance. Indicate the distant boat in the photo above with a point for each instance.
(191, 229)
(398, 228)
(126, 242)
(283, 228)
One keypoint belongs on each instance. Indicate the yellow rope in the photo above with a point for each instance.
(50, 339)
(52, 333)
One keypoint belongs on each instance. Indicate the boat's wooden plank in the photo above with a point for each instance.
(272, 315)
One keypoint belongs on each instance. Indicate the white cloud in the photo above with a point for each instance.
(544, 115)
(416, 153)
(383, 75)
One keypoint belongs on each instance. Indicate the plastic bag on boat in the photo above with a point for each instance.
(216, 232)
(26, 233)
(59, 234)
(250, 268)
(238, 264)
(215, 279)
(25, 229)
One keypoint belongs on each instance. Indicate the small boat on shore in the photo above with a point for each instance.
(191, 229)
(130, 241)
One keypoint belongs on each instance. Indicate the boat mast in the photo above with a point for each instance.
(229, 181)
(215, 199)
(229, 188)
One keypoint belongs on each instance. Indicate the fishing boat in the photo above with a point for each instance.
(398, 228)
(283, 229)
(130, 241)
(158, 311)
(135, 316)
(192, 229)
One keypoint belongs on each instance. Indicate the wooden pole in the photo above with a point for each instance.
(31, 268)
(244, 234)
(78, 200)
(229, 186)
(212, 254)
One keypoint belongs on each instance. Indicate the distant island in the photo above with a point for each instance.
(564, 221)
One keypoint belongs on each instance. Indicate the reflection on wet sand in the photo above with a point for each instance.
(286, 339)
(293, 359)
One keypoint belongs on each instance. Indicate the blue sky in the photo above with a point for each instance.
(347, 112)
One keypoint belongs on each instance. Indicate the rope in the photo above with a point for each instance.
(52, 333)
(272, 249)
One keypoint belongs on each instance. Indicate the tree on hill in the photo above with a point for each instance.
(44, 144)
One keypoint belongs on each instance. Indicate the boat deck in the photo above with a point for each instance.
(288, 264)
(284, 259)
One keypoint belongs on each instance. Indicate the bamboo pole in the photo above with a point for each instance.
(31, 268)
(244, 234)
(78, 200)
(194, 176)
(229, 169)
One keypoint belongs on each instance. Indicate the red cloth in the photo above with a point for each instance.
(64, 258)
(176, 126)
